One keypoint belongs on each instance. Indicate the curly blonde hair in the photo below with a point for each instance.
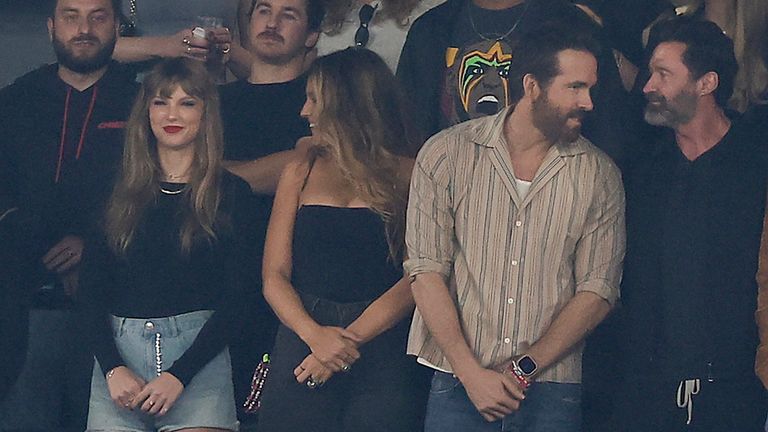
(337, 11)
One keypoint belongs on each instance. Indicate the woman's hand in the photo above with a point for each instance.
(311, 367)
(184, 44)
(334, 347)
(159, 395)
(123, 386)
(221, 43)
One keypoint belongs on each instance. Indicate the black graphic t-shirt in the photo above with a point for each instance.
(477, 62)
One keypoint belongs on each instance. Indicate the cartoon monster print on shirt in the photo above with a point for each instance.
(477, 81)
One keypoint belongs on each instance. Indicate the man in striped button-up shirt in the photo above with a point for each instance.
(516, 238)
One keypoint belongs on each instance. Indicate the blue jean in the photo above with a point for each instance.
(207, 400)
(548, 407)
(52, 391)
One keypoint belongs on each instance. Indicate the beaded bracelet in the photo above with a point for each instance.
(518, 373)
(111, 372)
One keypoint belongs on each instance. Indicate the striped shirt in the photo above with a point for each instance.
(511, 263)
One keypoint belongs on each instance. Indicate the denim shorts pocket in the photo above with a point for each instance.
(443, 383)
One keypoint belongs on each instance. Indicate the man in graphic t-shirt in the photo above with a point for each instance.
(456, 62)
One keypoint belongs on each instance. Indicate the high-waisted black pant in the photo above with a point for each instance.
(385, 390)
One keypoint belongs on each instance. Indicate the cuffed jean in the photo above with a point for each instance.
(548, 407)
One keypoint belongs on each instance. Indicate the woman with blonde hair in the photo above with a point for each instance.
(332, 262)
(161, 284)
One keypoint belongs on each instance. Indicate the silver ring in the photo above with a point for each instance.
(189, 49)
(185, 41)
(311, 383)
(226, 49)
(151, 403)
(345, 367)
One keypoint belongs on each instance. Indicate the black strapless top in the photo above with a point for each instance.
(341, 254)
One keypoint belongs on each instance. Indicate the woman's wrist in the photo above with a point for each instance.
(112, 371)
(307, 330)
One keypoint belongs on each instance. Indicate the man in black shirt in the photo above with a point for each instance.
(261, 128)
(695, 206)
(60, 144)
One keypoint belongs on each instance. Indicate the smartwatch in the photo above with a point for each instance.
(527, 365)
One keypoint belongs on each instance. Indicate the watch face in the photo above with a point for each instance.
(527, 365)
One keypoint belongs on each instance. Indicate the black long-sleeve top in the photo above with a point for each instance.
(155, 279)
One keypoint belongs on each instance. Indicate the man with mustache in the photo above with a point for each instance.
(515, 235)
(60, 144)
(695, 206)
(262, 124)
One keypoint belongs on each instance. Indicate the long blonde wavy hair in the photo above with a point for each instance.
(364, 125)
(138, 184)
(337, 10)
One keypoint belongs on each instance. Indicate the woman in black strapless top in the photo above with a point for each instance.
(332, 262)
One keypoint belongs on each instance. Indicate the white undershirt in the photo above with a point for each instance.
(522, 187)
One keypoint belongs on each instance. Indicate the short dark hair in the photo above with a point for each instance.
(707, 49)
(315, 13)
(536, 54)
(116, 8)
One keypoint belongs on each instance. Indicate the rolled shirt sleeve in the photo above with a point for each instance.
(600, 251)
(430, 221)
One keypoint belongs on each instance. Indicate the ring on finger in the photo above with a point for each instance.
(345, 367)
(185, 41)
(311, 383)
(226, 48)
(189, 49)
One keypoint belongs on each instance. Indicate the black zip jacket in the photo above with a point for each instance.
(51, 206)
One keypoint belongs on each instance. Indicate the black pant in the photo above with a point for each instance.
(385, 390)
(650, 404)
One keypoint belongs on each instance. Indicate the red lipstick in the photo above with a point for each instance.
(172, 129)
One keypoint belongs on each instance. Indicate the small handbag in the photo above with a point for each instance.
(253, 401)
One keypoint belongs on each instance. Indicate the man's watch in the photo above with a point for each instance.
(527, 365)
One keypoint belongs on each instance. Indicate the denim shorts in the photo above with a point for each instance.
(208, 399)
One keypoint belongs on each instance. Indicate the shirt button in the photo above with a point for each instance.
(149, 325)
(518, 223)
(510, 300)
(507, 340)
(514, 262)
